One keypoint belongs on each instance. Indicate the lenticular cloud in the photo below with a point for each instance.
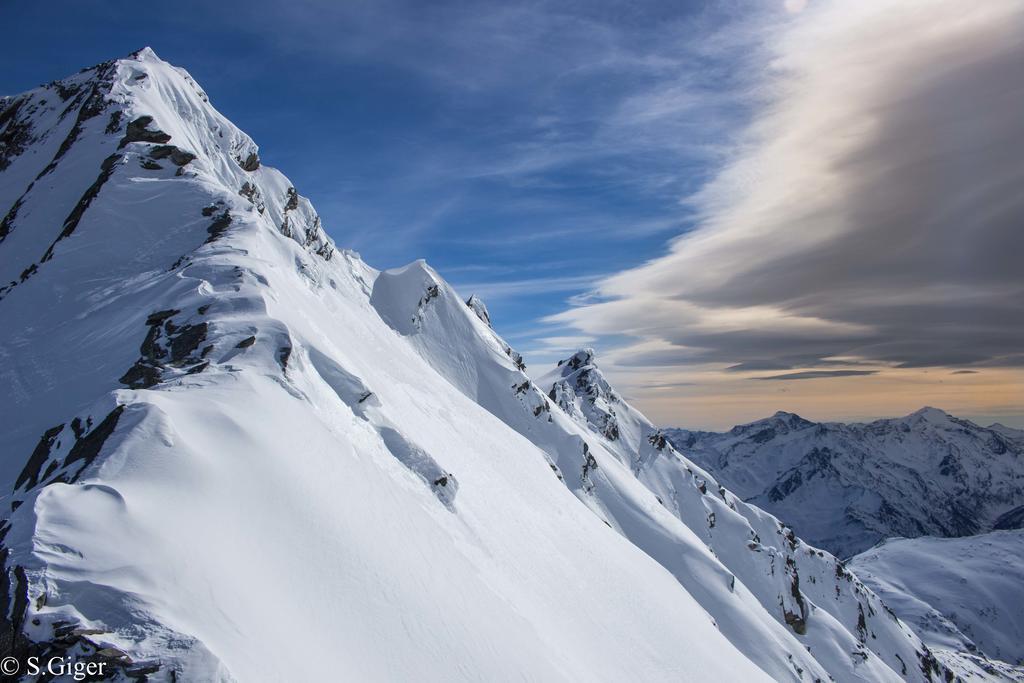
(869, 212)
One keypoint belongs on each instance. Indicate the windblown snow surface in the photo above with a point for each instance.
(957, 593)
(233, 451)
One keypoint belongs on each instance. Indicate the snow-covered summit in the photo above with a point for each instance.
(958, 593)
(795, 583)
(230, 446)
(225, 450)
(847, 486)
(580, 389)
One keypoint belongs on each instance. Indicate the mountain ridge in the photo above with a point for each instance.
(236, 446)
(956, 592)
(872, 480)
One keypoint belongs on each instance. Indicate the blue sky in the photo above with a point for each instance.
(819, 195)
(496, 142)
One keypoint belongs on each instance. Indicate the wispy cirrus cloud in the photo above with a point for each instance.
(871, 210)
(498, 289)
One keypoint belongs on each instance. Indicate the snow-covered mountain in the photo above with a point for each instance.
(845, 487)
(233, 451)
(957, 593)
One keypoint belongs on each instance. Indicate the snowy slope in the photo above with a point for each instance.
(225, 465)
(845, 487)
(763, 553)
(234, 452)
(957, 593)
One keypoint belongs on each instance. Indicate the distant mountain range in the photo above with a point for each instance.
(845, 487)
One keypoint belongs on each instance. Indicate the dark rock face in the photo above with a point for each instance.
(88, 442)
(159, 317)
(15, 130)
(138, 131)
(251, 163)
(177, 156)
(141, 376)
(798, 622)
(167, 345)
(7, 224)
(516, 358)
(89, 446)
(589, 465)
(30, 474)
(71, 222)
(284, 353)
(291, 199)
(1014, 519)
(114, 124)
(219, 226)
(252, 193)
(785, 487)
(432, 293)
(94, 104)
(16, 134)
(658, 440)
(578, 359)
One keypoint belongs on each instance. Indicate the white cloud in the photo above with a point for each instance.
(872, 210)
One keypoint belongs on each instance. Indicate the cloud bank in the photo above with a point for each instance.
(872, 213)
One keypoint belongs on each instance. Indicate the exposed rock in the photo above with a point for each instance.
(179, 349)
(141, 375)
(1014, 519)
(89, 446)
(177, 156)
(187, 341)
(138, 131)
(220, 224)
(251, 163)
(291, 199)
(114, 124)
(30, 474)
(92, 105)
(160, 317)
(15, 131)
(252, 193)
(284, 353)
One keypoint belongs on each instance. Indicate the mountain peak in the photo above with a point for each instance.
(582, 358)
(781, 421)
(929, 473)
(197, 371)
(930, 414)
(789, 417)
(146, 54)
